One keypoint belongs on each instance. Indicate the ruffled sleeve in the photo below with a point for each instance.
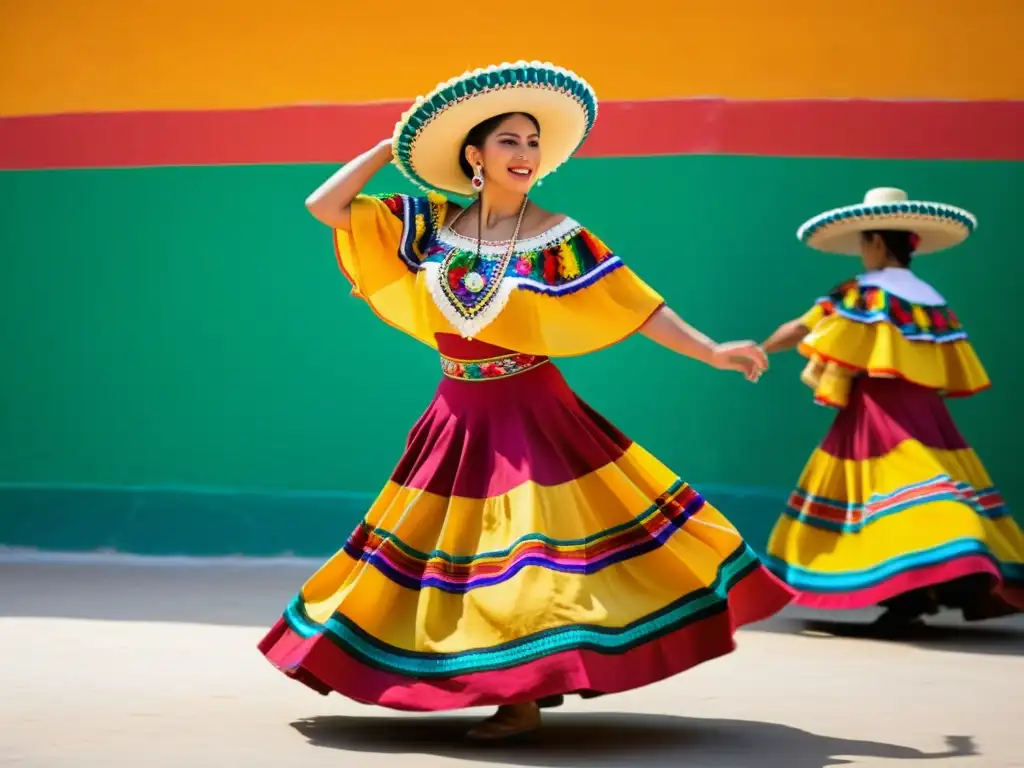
(572, 295)
(865, 330)
(822, 308)
(382, 252)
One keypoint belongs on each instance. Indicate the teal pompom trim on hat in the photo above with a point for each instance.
(887, 209)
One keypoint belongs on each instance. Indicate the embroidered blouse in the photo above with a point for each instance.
(560, 293)
(887, 324)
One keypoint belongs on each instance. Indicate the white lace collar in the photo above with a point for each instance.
(548, 237)
(903, 283)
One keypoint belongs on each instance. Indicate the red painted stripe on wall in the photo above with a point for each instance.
(307, 134)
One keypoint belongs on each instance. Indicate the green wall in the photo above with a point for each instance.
(184, 371)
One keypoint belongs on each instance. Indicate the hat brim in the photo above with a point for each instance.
(939, 226)
(428, 138)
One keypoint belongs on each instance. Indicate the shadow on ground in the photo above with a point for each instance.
(254, 595)
(242, 594)
(569, 740)
(947, 632)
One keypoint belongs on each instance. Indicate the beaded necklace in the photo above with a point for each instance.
(471, 280)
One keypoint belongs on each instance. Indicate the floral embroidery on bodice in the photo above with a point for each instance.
(472, 292)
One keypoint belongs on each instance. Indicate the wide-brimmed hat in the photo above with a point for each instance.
(938, 225)
(428, 138)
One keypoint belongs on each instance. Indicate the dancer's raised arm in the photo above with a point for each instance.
(330, 202)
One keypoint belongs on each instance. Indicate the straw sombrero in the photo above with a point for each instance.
(428, 138)
(938, 225)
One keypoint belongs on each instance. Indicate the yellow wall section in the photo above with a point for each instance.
(70, 55)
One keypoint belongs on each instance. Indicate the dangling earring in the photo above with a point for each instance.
(478, 178)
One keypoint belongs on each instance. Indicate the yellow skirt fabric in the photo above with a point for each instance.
(895, 502)
(521, 552)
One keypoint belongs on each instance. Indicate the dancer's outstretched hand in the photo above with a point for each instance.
(747, 357)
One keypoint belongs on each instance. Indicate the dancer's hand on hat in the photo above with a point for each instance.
(747, 357)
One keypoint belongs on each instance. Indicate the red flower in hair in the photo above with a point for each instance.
(915, 240)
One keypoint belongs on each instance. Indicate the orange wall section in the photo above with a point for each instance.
(109, 55)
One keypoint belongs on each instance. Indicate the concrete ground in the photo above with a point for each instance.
(115, 662)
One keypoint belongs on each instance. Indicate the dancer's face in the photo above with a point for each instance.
(510, 155)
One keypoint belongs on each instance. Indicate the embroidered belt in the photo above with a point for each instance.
(491, 368)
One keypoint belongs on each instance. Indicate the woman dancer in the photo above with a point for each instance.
(893, 508)
(523, 548)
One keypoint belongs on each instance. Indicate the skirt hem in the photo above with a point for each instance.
(1010, 595)
(324, 666)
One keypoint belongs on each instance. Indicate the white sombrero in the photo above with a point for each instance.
(429, 136)
(938, 225)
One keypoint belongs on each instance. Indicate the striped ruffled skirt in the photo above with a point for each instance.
(894, 508)
(522, 550)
